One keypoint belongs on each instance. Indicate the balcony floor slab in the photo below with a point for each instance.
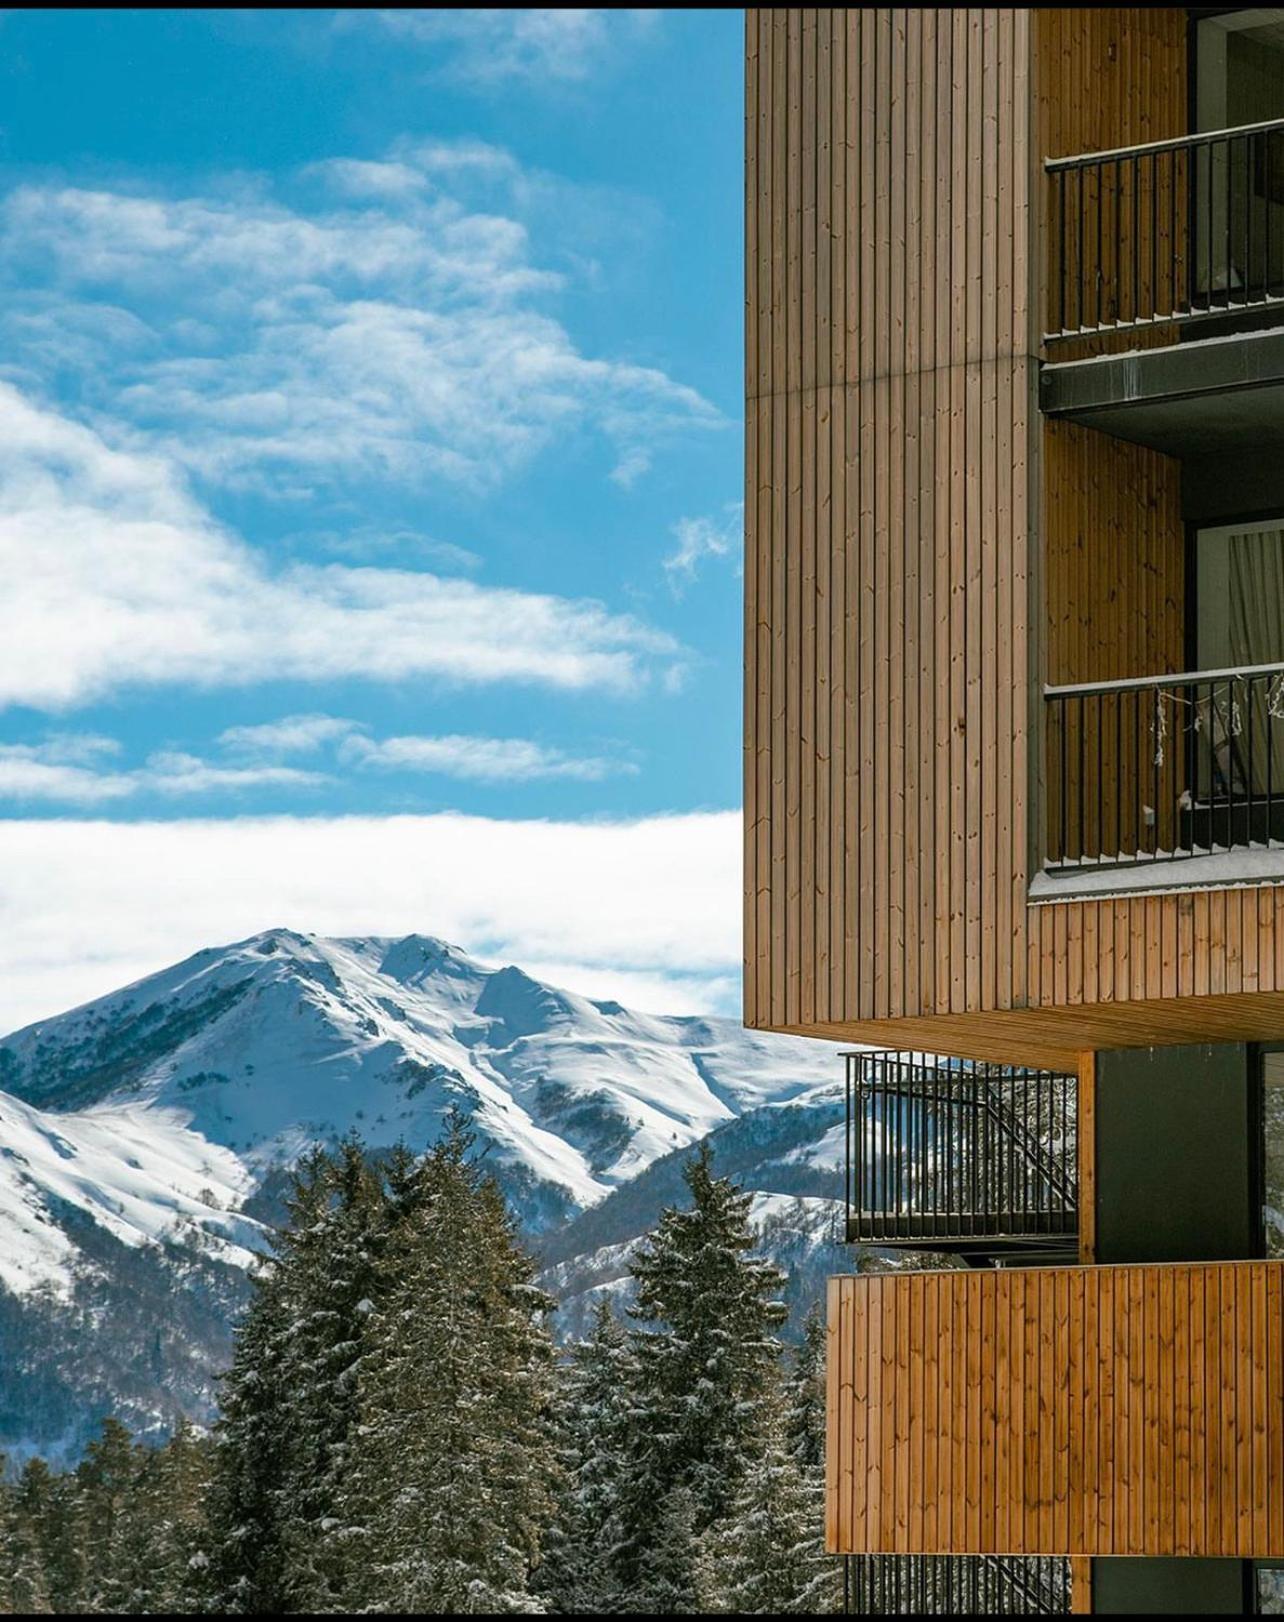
(1186, 399)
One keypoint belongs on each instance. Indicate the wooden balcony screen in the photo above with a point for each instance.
(1074, 1410)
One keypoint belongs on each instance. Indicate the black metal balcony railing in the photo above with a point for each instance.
(1168, 231)
(959, 1155)
(1165, 767)
(956, 1585)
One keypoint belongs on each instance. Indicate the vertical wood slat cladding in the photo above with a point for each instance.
(1076, 1410)
(1114, 549)
(900, 521)
(1112, 76)
(888, 383)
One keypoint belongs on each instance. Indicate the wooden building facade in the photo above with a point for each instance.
(1014, 697)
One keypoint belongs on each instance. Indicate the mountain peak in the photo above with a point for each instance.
(416, 957)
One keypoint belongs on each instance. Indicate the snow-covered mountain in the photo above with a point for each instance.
(144, 1139)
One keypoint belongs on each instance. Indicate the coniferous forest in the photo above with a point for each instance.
(400, 1433)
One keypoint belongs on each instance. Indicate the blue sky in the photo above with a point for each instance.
(371, 449)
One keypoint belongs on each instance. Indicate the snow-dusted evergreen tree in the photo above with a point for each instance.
(766, 1557)
(705, 1313)
(580, 1570)
(805, 1401)
(453, 1464)
(24, 1590)
(668, 1579)
(104, 1486)
(163, 1555)
(329, 1260)
(44, 1562)
(245, 1573)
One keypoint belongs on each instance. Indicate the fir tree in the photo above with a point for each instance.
(580, 1570)
(244, 1571)
(48, 1510)
(767, 1556)
(706, 1308)
(329, 1259)
(667, 1582)
(453, 1463)
(104, 1486)
(23, 1589)
(805, 1409)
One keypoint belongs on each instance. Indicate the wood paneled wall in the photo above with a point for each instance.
(1114, 546)
(888, 416)
(1077, 1410)
(909, 583)
(1109, 76)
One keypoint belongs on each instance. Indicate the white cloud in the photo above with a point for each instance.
(114, 576)
(173, 772)
(534, 44)
(702, 538)
(291, 735)
(68, 768)
(648, 907)
(61, 769)
(484, 760)
(398, 337)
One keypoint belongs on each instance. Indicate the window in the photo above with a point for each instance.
(1272, 1173)
(1238, 186)
(1239, 595)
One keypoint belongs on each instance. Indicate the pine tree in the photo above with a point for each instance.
(48, 1508)
(805, 1412)
(767, 1557)
(163, 1547)
(244, 1562)
(668, 1568)
(453, 1462)
(104, 1484)
(329, 1258)
(580, 1573)
(706, 1308)
(23, 1591)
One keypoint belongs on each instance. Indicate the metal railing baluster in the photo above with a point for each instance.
(1101, 233)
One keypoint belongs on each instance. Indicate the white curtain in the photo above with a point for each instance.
(1256, 606)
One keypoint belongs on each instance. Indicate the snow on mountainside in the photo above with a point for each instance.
(261, 1048)
(144, 1139)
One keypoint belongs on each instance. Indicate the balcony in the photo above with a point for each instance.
(1165, 319)
(1145, 776)
(959, 1585)
(1081, 1411)
(1171, 233)
(974, 1159)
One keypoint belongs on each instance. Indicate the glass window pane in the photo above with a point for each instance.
(1270, 1591)
(1273, 1154)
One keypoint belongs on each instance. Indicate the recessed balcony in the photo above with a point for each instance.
(956, 1585)
(1167, 780)
(1165, 322)
(978, 1160)
(1179, 234)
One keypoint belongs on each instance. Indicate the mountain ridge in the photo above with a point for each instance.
(145, 1136)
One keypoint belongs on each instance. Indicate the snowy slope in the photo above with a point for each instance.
(137, 1174)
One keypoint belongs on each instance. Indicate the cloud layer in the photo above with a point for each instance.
(85, 770)
(648, 910)
(390, 322)
(116, 576)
